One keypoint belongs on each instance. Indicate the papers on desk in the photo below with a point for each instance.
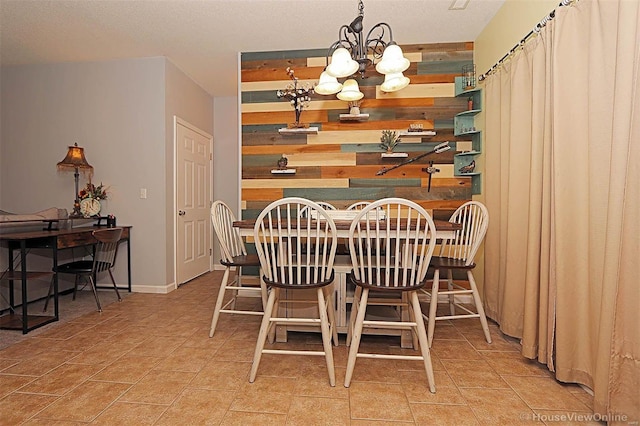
(349, 214)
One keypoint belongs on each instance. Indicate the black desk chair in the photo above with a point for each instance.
(103, 260)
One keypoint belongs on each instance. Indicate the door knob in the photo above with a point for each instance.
(181, 212)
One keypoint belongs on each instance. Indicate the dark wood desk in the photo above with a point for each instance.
(54, 240)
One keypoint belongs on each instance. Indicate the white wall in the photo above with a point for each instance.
(188, 101)
(226, 154)
(119, 112)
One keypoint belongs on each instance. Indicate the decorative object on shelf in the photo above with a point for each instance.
(389, 140)
(351, 54)
(444, 146)
(416, 127)
(431, 170)
(468, 168)
(76, 161)
(282, 167)
(90, 197)
(470, 103)
(299, 95)
(354, 112)
(354, 107)
(111, 221)
(469, 76)
(282, 162)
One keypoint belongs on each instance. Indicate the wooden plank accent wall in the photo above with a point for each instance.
(339, 164)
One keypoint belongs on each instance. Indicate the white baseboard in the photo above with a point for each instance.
(166, 289)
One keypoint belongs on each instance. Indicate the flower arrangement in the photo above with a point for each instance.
(91, 191)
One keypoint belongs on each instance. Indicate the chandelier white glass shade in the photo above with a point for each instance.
(327, 85)
(353, 52)
(392, 61)
(350, 91)
(394, 82)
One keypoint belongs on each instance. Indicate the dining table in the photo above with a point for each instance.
(342, 267)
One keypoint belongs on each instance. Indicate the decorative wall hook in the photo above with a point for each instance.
(431, 170)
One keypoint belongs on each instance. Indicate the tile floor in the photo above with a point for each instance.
(149, 361)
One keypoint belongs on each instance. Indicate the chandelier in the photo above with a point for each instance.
(351, 54)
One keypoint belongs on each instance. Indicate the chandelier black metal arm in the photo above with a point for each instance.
(351, 38)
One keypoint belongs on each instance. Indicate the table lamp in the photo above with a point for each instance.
(75, 160)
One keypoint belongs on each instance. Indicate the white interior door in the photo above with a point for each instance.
(193, 201)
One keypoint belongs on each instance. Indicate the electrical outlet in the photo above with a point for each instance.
(143, 193)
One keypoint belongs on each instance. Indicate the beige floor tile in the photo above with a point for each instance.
(416, 388)
(40, 364)
(159, 346)
(473, 374)
(240, 418)
(375, 370)
(62, 379)
(197, 406)
(498, 406)
(85, 402)
(158, 387)
(190, 360)
(499, 342)
(18, 407)
(378, 401)
(305, 411)
(443, 415)
(446, 332)
(545, 393)
(103, 353)
(266, 394)
(236, 350)
(223, 375)
(314, 381)
(454, 349)
(69, 330)
(149, 360)
(83, 341)
(122, 413)
(12, 382)
(128, 369)
(514, 364)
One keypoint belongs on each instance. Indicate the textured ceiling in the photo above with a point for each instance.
(203, 38)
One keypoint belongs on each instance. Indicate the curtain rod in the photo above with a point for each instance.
(536, 29)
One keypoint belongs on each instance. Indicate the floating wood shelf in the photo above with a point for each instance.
(283, 171)
(299, 131)
(354, 117)
(418, 134)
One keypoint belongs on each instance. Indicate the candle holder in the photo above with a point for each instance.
(469, 76)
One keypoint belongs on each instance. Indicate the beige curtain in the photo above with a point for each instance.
(563, 189)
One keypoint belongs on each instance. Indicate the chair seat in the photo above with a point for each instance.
(77, 267)
(244, 260)
(449, 263)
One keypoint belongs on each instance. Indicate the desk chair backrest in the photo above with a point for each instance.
(231, 243)
(295, 250)
(394, 252)
(106, 248)
(474, 218)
